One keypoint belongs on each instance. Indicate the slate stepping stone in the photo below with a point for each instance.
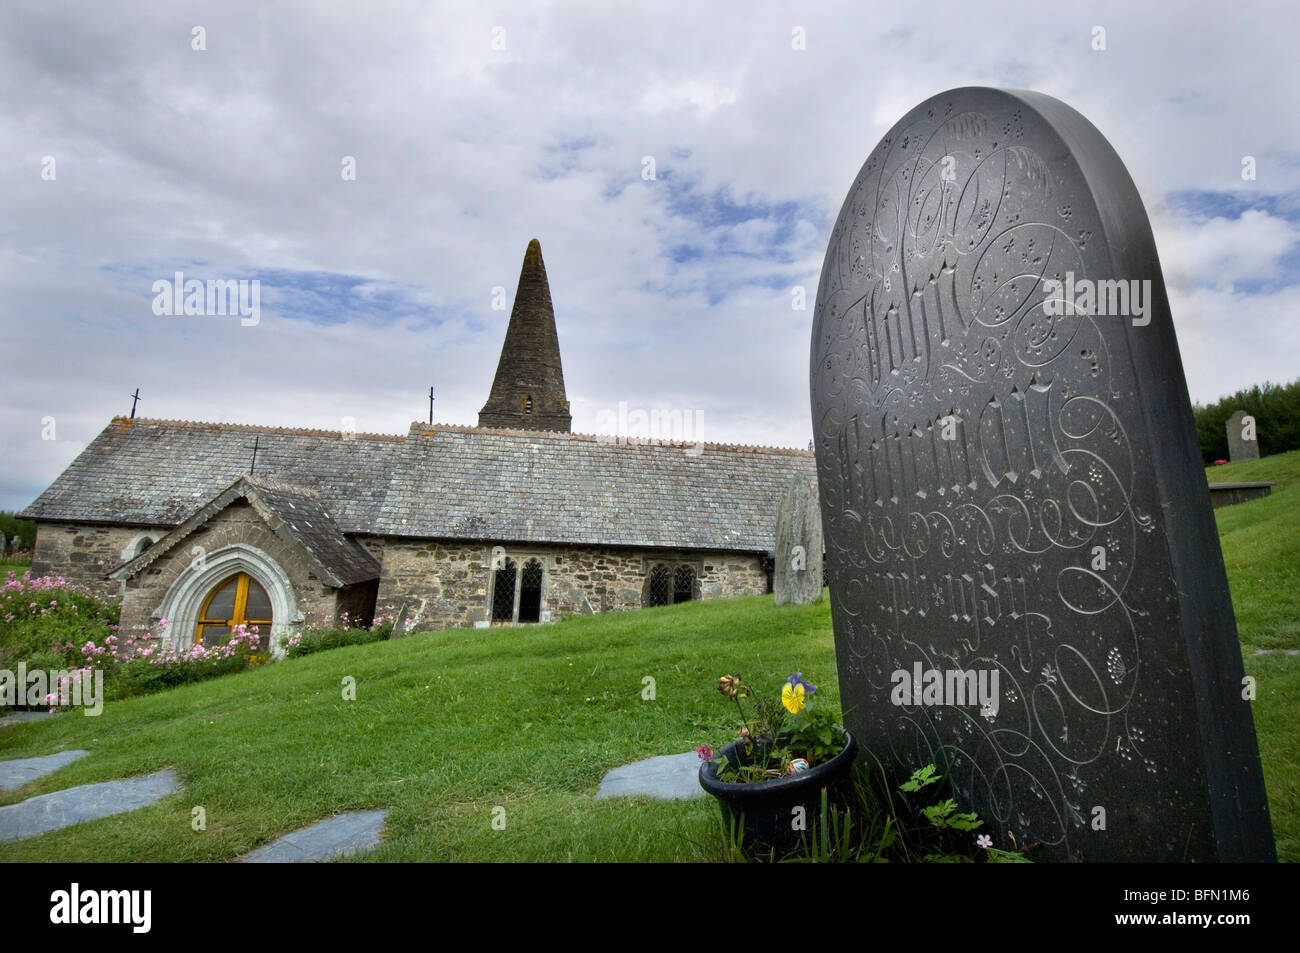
(19, 771)
(669, 777)
(18, 717)
(339, 836)
(89, 802)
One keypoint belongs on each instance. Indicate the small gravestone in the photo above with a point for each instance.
(797, 568)
(1026, 581)
(1243, 443)
(399, 623)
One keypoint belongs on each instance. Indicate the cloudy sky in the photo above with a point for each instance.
(129, 155)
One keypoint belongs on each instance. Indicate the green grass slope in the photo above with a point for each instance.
(1261, 549)
(445, 727)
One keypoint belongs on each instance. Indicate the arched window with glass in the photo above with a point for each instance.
(236, 600)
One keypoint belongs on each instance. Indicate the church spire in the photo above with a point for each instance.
(528, 391)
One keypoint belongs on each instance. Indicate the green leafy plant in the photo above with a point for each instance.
(916, 821)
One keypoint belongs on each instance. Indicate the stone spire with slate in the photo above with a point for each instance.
(528, 391)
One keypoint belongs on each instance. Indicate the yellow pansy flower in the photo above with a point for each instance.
(792, 697)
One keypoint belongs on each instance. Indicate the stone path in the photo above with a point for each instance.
(335, 837)
(18, 717)
(49, 812)
(19, 771)
(669, 777)
(1277, 651)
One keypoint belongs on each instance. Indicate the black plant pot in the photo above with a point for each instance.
(766, 810)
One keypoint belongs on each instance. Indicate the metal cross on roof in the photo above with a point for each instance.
(257, 439)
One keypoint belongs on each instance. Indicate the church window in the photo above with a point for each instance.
(670, 583)
(683, 584)
(528, 403)
(142, 546)
(503, 592)
(517, 593)
(530, 592)
(237, 600)
(660, 590)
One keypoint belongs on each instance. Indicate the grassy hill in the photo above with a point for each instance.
(447, 726)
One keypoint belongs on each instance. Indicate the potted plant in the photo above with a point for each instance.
(770, 781)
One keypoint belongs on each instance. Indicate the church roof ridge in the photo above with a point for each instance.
(126, 423)
(423, 429)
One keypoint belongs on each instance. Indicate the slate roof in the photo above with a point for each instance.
(295, 514)
(524, 486)
(443, 482)
(158, 472)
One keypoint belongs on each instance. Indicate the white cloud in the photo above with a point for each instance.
(231, 158)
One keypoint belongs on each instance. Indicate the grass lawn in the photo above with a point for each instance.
(447, 726)
(1261, 548)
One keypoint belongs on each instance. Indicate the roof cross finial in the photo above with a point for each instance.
(257, 439)
(135, 398)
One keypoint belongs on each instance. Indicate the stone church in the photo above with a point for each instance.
(514, 521)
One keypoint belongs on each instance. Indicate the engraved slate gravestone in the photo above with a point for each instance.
(797, 565)
(1243, 442)
(1013, 496)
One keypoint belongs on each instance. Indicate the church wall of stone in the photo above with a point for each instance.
(238, 523)
(447, 584)
(84, 554)
(727, 574)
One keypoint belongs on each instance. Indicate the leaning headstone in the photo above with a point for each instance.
(399, 623)
(1243, 442)
(797, 566)
(1026, 582)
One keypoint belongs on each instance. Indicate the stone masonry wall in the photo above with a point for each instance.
(84, 554)
(446, 584)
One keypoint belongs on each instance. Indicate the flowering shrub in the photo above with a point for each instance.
(327, 634)
(46, 621)
(48, 624)
(147, 662)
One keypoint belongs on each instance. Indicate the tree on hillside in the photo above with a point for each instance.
(1275, 407)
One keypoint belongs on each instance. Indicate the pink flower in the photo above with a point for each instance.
(705, 753)
(984, 841)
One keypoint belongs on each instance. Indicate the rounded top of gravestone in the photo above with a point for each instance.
(975, 164)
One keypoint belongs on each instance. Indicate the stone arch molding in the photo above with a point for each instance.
(181, 606)
(132, 549)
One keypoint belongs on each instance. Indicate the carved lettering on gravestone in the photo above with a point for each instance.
(1243, 441)
(797, 569)
(1011, 486)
